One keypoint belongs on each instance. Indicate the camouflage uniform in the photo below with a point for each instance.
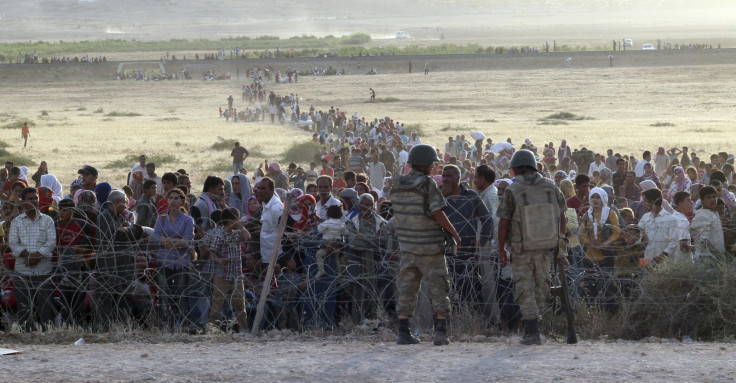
(531, 269)
(421, 241)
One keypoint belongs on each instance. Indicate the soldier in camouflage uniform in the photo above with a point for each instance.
(532, 216)
(420, 224)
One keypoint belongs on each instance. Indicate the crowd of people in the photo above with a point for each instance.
(154, 253)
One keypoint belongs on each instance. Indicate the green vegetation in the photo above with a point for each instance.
(301, 152)
(99, 110)
(47, 48)
(17, 123)
(566, 116)
(130, 159)
(418, 127)
(487, 120)
(384, 100)
(168, 119)
(224, 144)
(453, 128)
(45, 113)
(17, 159)
(661, 124)
(81, 109)
(561, 118)
(122, 114)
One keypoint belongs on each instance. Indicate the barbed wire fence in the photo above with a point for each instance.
(121, 286)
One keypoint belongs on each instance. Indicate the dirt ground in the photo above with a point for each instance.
(276, 358)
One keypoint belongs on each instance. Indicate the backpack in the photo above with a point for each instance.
(538, 215)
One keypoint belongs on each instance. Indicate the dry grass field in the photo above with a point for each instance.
(180, 118)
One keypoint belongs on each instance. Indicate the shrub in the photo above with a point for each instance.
(661, 124)
(122, 114)
(17, 159)
(17, 124)
(301, 152)
(223, 144)
(130, 159)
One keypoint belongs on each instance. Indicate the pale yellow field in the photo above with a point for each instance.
(181, 117)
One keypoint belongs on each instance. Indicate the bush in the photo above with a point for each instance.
(122, 114)
(418, 127)
(99, 110)
(384, 100)
(44, 113)
(223, 144)
(661, 124)
(17, 159)
(130, 159)
(17, 124)
(302, 152)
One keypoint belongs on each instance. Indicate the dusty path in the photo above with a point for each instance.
(260, 359)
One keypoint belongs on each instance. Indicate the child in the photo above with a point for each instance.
(332, 230)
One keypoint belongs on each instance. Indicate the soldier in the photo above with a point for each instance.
(421, 224)
(532, 217)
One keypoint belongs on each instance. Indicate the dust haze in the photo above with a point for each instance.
(575, 22)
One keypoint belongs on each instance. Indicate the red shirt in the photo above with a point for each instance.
(327, 172)
(581, 207)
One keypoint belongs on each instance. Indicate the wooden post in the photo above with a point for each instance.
(269, 274)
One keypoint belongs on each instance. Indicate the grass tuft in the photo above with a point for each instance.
(122, 114)
(661, 124)
(130, 159)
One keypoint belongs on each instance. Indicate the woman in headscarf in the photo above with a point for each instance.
(87, 204)
(136, 184)
(102, 191)
(50, 181)
(24, 174)
(303, 214)
(599, 230)
(242, 191)
(680, 182)
(46, 203)
(599, 233)
(252, 219)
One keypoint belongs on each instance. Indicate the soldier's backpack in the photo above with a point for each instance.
(538, 215)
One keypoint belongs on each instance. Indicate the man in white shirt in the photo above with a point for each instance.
(683, 205)
(32, 239)
(706, 228)
(596, 166)
(324, 188)
(271, 212)
(660, 227)
(639, 169)
(376, 172)
(150, 174)
(403, 157)
(138, 166)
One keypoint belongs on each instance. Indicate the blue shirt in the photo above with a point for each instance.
(181, 228)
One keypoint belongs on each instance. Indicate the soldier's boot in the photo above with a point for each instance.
(531, 333)
(405, 335)
(440, 332)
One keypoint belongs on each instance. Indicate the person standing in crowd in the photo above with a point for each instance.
(211, 199)
(32, 239)
(242, 191)
(420, 223)
(239, 155)
(706, 228)
(226, 255)
(532, 220)
(272, 208)
(324, 188)
(470, 217)
(146, 207)
(659, 226)
(175, 232)
(579, 201)
(376, 172)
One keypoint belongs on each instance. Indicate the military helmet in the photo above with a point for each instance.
(522, 158)
(422, 155)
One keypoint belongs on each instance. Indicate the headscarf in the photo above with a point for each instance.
(605, 176)
(240, 203)
(45, 200)
(50, 181)
(281, 193)
(248, 214)
(302, 211)
(137, 176)
(682, 181)
(647, 185)
(500, 181)
(102, 191)
(571, 175)
(604, 212)
(23, 172)
(86, 200)
(561, 172)
(228, 186)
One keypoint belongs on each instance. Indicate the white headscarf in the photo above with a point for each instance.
(23, 172)
(604, 212)
(50, 181)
